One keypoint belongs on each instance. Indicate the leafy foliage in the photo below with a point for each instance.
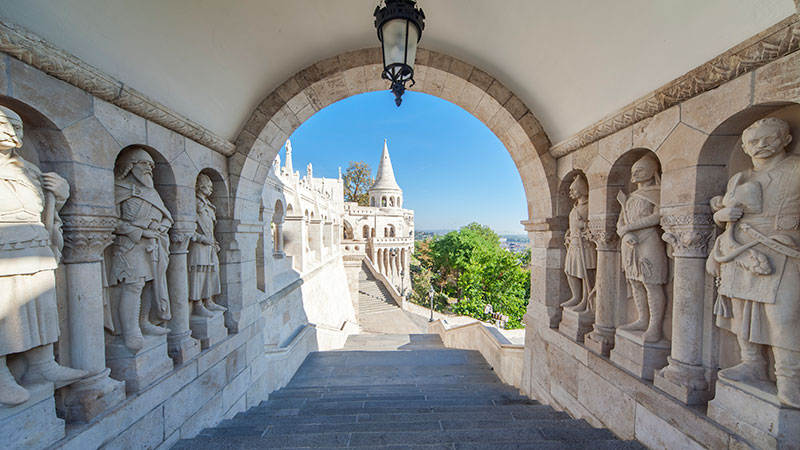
(357, 180)
(470, 266)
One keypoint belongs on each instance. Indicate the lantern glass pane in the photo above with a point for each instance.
(413, 37)
(394, 42)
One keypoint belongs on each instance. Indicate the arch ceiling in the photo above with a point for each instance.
(572, 62)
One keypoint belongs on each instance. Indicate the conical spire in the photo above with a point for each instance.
(385, 178)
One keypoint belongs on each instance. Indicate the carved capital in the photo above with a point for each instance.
(603, 232)
(179, 239)
(689, 235)
(85, 237)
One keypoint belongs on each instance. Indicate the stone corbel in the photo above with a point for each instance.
(688, 235)
(546, 233)
(86, 237)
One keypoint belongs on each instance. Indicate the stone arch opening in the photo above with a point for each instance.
(723, 147)
(563, 201)
(347, 230)
(163, 176)
(619, 177)
(356, 72)
(722, 150)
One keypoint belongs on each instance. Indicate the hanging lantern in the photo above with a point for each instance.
(399, 24)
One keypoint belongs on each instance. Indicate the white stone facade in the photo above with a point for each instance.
(279, 306)
(383, 231)
(286, 289)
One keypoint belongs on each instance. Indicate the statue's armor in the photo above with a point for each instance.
(135, 258)
(203, 261)
(28, 307)
(580, 252)
(758, 257)
(645, 261)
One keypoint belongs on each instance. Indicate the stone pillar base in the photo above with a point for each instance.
(89, 397)
(640, 358)
(753, 412)
(138, 370)
(685, 382)
(601, 340)
(575, 325)
(550, 315)
(33, 424)
(208, 330)
(182, 347)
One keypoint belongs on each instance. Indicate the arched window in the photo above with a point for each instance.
(383, 201)
(365, 231)
(391, 230)
(391, 202)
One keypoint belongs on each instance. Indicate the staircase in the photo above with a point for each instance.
(372, 296)
(401, 392)
(379, 314)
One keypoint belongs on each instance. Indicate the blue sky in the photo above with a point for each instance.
(453, 170)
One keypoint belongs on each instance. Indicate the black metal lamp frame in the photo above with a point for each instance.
(399, 73)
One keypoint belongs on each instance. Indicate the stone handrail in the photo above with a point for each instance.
(286, 357)
(505, 358)
(389, 287)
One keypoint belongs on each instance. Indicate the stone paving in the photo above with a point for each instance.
(401, 392)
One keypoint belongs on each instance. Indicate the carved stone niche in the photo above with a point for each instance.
(640, 345)
(136, 265)
(756, 265)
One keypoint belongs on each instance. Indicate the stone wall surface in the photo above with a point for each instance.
(204, 366)
(181, 280)
(505, 358)
(601, 363)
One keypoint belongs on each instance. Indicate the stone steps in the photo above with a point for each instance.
(373, 298)
(424, 398)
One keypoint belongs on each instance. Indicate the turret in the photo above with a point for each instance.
(385, 192)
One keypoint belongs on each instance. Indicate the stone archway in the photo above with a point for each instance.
(357, 72)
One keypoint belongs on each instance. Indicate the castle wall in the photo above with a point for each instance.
(276, 313)
(581, 361)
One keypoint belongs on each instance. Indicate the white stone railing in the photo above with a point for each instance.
(392, 240)
(505, 358)
(386, 283)
(283, 360)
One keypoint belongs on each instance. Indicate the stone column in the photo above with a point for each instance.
(684, 377)
(278, 241)
(85, 238)
(607, 283)
(180, 344)
(547, 270)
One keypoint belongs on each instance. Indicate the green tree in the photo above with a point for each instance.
(357, 180)
(470, 266)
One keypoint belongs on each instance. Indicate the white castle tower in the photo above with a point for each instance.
(385, 193)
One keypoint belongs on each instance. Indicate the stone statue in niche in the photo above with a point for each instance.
(644, 256)
(140, 253)
(203, 264)
(756, 260)
(581, 260)
(30, 250)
